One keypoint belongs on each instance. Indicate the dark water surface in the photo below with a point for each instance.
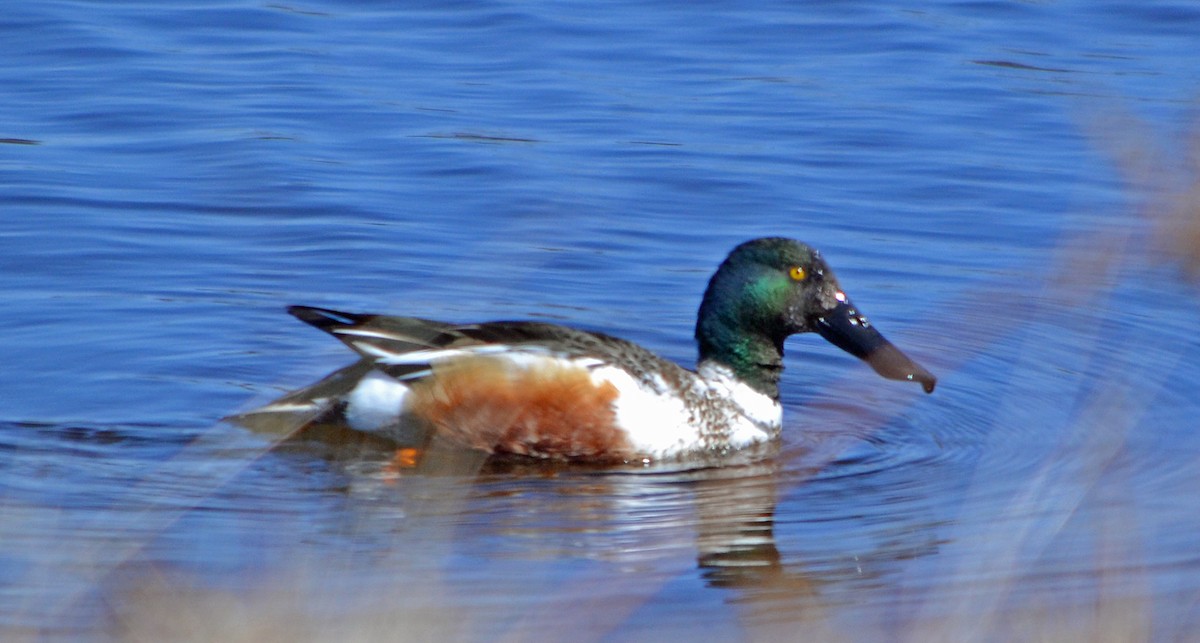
(1007, 188)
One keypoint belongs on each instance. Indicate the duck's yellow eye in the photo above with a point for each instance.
(797, 273)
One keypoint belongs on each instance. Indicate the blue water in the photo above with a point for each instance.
(992, 181)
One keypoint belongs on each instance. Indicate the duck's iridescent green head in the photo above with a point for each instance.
(768, 289)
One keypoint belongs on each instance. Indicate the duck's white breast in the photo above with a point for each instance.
(658, 423)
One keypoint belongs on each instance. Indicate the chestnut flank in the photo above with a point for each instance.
(548, 411)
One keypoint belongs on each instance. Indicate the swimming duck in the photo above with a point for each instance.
(551, 391)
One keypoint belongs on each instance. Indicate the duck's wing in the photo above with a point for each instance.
(405, 347)
(370, 335)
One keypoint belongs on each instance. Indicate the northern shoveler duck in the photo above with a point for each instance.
(550, 391)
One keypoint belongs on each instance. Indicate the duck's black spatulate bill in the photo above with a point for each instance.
(844, 327)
